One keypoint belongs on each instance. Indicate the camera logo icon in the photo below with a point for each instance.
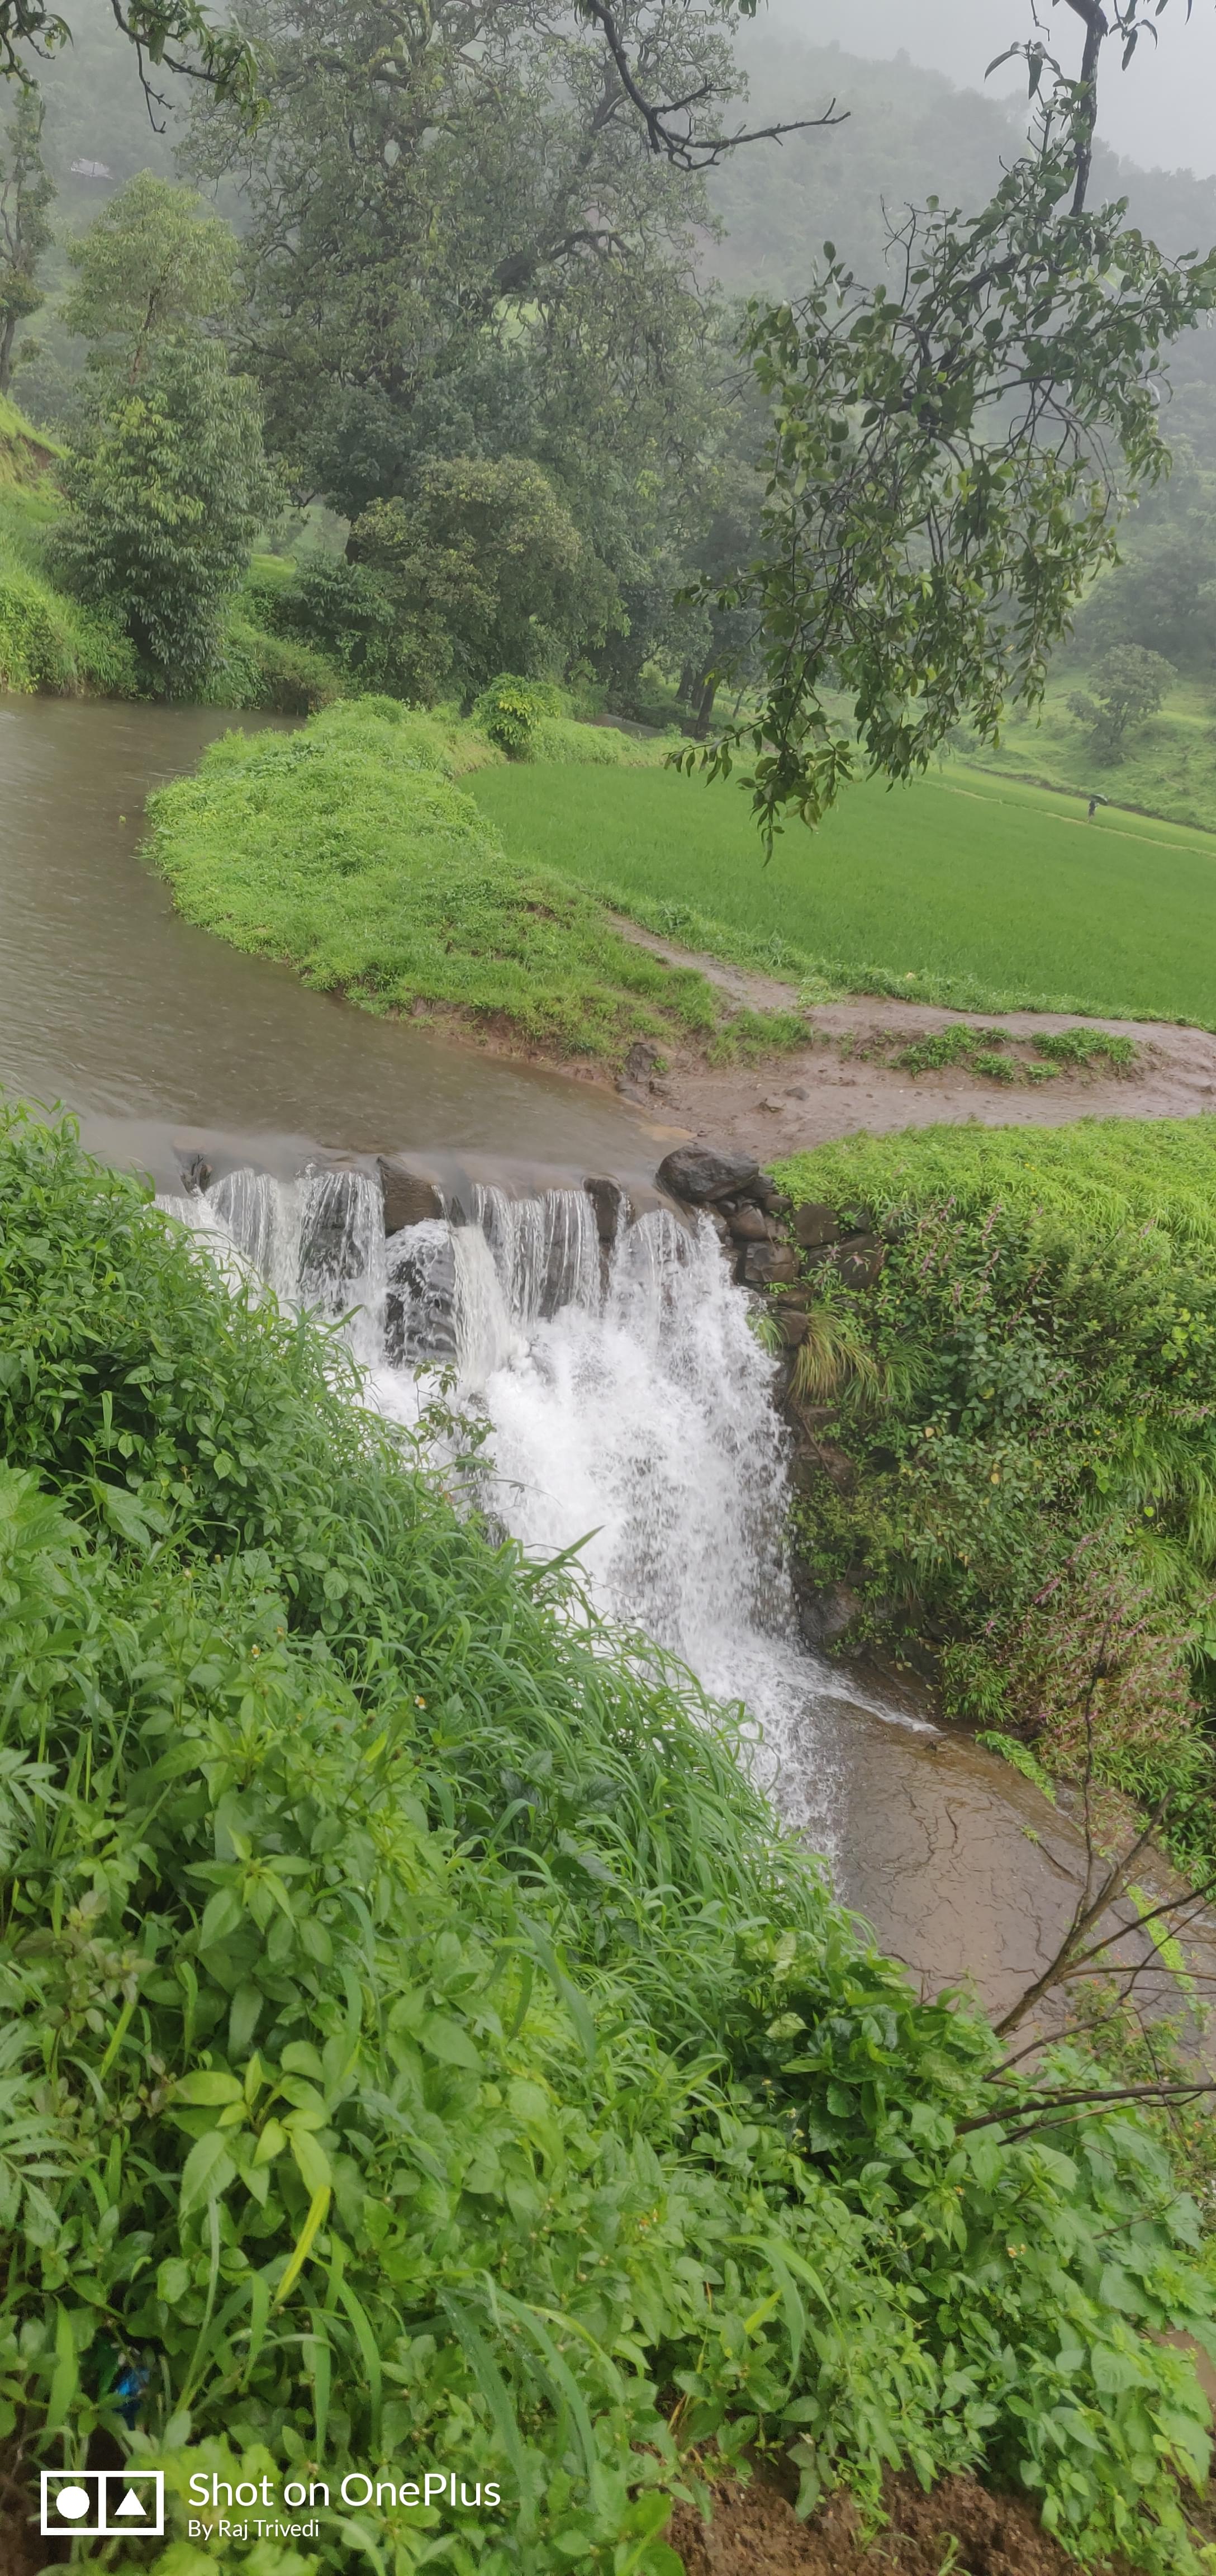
(106, 2503)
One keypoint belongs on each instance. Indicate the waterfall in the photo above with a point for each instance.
(628, 1403)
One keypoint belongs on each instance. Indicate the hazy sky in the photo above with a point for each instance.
(1161, 112)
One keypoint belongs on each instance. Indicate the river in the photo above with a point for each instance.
(638, 1409)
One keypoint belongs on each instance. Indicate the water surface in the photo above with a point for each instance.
(114, 1005)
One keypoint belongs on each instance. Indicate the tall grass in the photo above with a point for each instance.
(423, 2052)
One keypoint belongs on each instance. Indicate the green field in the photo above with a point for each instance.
(960, 889)
(1168, 767)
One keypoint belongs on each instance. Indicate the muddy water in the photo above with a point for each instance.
(112, 1004)
(153, 1030)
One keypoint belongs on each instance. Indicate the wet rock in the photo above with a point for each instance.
(699, 1173)
(769, 1265)
(856, 1262)
(642, 1062)
(750, 1225)
(611, 1207)
(815, 1223)
(407, 1199)
(827, 1615)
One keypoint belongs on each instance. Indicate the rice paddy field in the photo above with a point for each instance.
(961, 889)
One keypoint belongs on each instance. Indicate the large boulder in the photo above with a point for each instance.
(769, 1265)
(700, 1174)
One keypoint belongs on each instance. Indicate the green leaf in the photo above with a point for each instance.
(206, 2174)
(449, 2041)
(210, 2088)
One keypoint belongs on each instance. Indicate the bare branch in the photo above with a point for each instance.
(687, 150)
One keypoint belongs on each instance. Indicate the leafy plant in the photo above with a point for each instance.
(1033, 1491)
(419, 2040)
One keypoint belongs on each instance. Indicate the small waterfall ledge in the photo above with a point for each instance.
(628, 1401)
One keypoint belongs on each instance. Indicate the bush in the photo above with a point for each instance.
(421, 2051)
(511, 708)
(52, 643)
(283, 674)
(341, 611)
(1025, 1399)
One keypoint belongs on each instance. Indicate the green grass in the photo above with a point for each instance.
(979, 894)
(350, 850)
(1168, 769)
(423, 2053)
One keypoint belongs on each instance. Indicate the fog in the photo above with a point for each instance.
(1159, 112)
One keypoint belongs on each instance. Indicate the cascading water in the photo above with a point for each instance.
(629, 1406)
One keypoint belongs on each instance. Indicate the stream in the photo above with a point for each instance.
(628, 1402)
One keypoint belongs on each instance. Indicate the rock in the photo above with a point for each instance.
(642, 1061)
(826, 1616)
(611, 1206)
(700, 1174)
(814, 1223)
(793, 1322)
(407, 1199)
(769, 1265)
(765, 1194)
(750, 1225)
(857, 1263)
(772, 1103)
(631, 1090)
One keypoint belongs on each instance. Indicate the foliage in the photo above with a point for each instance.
(51, 643)
(154, 265)
(178, 34)
(167, 493)
(1129, 685)
(347, 849)
(486, 571)
(976, 894)
(511, 710)
(458, 245)
(1036, 1476)
(26, 195)
(421, 2048)
(341, 610)
(254, 669)
(938, 499)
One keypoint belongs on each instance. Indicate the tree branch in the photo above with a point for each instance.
(687, 150)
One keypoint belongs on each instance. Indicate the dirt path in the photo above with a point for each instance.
(827, 1089)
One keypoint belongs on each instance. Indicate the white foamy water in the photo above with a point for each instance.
(629, 1410)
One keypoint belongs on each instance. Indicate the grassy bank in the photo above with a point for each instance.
(1169, 764)
(979, 894)
(351, 850)
(1021, 1466)
(422, 2054)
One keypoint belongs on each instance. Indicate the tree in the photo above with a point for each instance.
(26, 194)
(154, 264)
(167, 493)
(1129, 685)
(947, 468)
(487, 572)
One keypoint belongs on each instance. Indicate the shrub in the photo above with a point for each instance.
(52, 643)
(421, 2050)
(1030, 1428)
(511, 709)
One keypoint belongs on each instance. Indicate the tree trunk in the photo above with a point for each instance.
(705, 707)
(8, 333)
